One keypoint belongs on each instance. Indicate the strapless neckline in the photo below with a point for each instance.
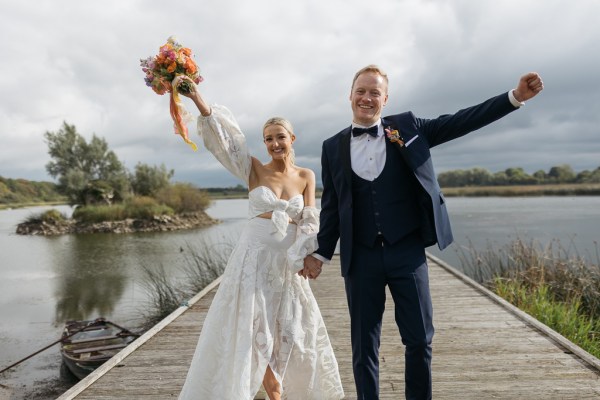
(268, 189)
(263, 199)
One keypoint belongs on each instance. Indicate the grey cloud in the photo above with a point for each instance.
(79, 63)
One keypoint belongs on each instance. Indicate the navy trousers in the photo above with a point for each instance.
(403, 268)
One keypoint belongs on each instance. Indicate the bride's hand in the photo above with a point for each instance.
(193, 93)
(188, 83)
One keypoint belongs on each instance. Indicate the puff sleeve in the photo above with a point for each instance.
(223, 137)
(306, 238)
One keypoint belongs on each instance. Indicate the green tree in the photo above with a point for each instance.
(588, 176)
(540, 176)
(480, 177)
(472, 177)
(518, 176)
(500, 178)
(561, 174)
(83, 168)
(147, 180)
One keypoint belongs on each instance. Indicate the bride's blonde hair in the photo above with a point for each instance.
(287, 125)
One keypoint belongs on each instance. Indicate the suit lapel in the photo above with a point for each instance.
(345, 155)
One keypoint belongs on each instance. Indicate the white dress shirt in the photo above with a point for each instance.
(367, 154)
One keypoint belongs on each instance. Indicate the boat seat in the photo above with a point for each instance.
(100, 348)
(92, 339)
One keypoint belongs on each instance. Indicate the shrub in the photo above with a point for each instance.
(135, 208)
(183, 197)
(52, 216)
(143, 207)
(94, 214)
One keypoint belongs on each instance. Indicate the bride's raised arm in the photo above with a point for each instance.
(222, 135)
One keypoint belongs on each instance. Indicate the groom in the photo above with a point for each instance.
(382, 200)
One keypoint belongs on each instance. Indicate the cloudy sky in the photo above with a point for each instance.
(78, 61)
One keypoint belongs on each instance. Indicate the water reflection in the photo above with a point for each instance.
(91, 280)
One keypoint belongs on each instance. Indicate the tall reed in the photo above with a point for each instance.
(205, 261)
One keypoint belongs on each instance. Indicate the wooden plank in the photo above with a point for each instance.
(482, 349)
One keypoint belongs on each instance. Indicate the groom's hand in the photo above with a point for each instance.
(312, 267)
(529, 86)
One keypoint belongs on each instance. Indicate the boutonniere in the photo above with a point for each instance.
(394, 136)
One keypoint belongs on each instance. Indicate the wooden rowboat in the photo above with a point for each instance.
(85, 345)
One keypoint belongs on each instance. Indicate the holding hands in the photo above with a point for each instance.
(312, 267)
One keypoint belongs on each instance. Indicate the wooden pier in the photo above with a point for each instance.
(483, 348)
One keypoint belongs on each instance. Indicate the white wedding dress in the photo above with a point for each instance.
(264, 313)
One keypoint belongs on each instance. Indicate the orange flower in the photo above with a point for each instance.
(172, 67)
(161, 87)
(190, 66)
(186, 51)
(394, 136)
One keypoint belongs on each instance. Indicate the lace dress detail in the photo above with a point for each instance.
(263, 313)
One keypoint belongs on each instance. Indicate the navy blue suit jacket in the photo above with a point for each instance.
(420, 135)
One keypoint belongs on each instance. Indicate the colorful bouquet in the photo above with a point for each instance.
(171, 61)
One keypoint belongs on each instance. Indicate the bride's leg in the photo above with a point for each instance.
(271, 385)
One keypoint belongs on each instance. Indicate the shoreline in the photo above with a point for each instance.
(159, 223)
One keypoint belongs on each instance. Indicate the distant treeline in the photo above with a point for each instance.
(239, 191)
(21, 191)
(560, 174)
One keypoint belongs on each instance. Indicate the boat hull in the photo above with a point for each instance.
(86, 345)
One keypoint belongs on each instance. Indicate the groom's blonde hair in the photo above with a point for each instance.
(371, 68)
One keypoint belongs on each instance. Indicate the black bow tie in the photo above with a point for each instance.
(371, 131)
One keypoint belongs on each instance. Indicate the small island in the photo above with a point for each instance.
(48, 224)
(106, 196)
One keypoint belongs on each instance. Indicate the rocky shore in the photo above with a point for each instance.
(159, 223)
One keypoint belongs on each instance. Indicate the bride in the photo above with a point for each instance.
(264, 325)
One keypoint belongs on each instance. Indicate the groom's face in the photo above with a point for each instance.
(368, 97)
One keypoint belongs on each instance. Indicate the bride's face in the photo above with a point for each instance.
(278, 141)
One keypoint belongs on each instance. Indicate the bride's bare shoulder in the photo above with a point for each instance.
(306, 174)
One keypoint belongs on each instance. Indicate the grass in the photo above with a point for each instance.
(566, 317)
(204, 263)
(557, 286)
(135, 208)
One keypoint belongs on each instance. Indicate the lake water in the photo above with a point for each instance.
(48, 280)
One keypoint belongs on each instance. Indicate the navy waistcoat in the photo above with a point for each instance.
(388, 205)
